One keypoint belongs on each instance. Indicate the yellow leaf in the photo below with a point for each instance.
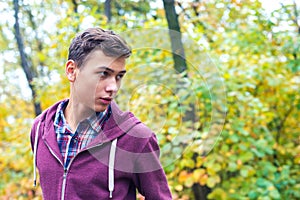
(189, 181)
(197, 174)
(182, 176)
(179, 188)
(203, 179)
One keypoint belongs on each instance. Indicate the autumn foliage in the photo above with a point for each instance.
(241, 86)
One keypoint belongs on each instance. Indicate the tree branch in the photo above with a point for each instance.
(294, 19)
(280, 126)
(107, 9)
(29, 73)
(296, 16)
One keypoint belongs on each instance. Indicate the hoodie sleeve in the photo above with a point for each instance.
(150, 177)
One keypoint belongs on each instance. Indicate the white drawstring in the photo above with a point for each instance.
(111, 165)
(34, 152)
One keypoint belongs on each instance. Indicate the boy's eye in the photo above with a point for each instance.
(103, 74)
(120, 76)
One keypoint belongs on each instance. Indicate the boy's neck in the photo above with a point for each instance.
(76, 113)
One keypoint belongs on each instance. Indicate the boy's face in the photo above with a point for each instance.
(97, 82)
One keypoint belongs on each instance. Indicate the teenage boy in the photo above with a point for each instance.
(85, 147)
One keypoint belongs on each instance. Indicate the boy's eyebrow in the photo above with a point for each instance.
(111, 70)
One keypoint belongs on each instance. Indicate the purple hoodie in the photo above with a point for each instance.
(122, 158)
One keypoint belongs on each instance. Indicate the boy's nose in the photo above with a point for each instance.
(112, 86)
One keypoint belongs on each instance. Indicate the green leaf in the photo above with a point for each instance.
(244, 172)
(264, 183)
(258, 153)
(275, 194)
(247, 156)
(253, 194)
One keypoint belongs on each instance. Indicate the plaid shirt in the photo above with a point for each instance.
(70, 143)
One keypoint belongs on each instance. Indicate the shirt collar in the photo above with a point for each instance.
(96, 120)
(60, 122)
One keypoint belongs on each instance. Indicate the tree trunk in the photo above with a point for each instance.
(200, 192)
(175, 35)
(75, 4)
(107, 9)
(75, 9)
(24, 61)
(177, 48)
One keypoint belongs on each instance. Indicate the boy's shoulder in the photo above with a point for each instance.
(47, 112)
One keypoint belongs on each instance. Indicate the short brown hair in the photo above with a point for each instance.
(111, 44)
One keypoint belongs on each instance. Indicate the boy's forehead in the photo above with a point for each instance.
(102, 59)
(101, 55)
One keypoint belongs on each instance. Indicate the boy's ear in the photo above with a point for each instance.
(71, 70)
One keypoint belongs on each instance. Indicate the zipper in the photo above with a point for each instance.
(63, 188)
(67, 169)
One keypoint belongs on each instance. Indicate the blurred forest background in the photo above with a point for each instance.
(225, 105)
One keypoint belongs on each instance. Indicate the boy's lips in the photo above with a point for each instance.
(105, 100)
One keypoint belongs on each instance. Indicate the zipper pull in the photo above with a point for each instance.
(65, 172)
